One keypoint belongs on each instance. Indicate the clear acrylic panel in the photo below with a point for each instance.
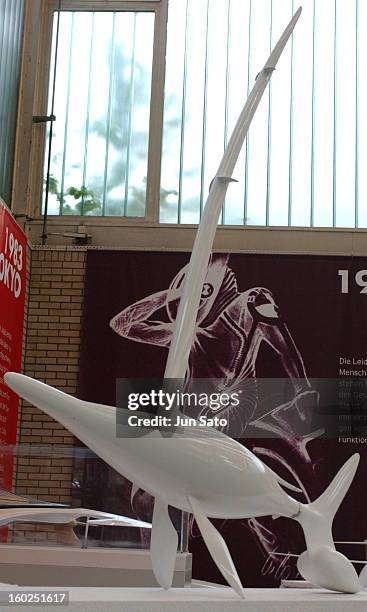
(87, 483)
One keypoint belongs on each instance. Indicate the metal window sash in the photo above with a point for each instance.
(38, 133)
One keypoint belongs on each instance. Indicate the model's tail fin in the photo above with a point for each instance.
(328, 503)
(321, 564)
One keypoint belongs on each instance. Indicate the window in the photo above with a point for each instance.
(11, 28)
(305, 158)
(102, 106)
(303, 162)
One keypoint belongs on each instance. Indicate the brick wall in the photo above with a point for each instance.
(52, 350)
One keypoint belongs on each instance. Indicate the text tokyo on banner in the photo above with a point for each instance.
(12, 297)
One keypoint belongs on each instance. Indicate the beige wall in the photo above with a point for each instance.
(129, 234)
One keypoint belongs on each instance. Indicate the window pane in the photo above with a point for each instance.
(301, 164)
(237, 87)
(323, 149)
(279, 126)
(345, 119)
(174, 112)
(258, 137)
(102, 107)
(301, 119)
(11, 20)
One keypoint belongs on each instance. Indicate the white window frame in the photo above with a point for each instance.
(30, 144)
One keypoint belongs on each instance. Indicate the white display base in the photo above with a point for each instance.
(216, 599)
(76, 567)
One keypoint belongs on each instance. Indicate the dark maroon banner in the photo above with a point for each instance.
(260, 317)
(12, 295)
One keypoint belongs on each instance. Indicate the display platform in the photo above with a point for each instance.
(204, 599)
(77, 567)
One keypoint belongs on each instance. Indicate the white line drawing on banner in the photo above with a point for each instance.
(231, 325)
(230, 328)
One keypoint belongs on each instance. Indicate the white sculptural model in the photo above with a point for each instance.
(210, 476)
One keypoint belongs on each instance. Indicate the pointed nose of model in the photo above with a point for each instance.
(329, 569)
(30, 389)
(22, 385)
(55, 403)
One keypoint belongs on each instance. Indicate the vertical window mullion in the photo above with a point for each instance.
(155, 133)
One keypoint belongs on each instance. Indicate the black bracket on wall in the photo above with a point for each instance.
(43, 118)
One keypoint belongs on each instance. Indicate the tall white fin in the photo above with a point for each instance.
(163, 545)
(217, 547)
(321, 564)
(185, 324)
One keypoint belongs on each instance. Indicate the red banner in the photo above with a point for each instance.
(12, 296)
